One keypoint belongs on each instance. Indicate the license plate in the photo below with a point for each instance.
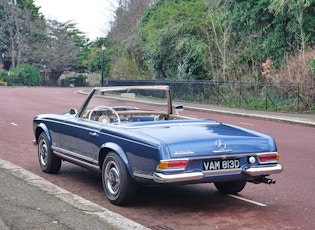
(221, 164)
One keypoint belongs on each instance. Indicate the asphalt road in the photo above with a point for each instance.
(289, 204)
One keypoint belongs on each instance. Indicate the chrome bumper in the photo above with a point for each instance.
(164, 178)
(263, 170)
(180, 177)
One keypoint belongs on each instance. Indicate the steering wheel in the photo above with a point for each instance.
(104, 107)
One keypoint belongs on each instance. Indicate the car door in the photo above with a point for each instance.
(78, 137)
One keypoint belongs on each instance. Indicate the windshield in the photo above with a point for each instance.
(116, 103)
(141, 99)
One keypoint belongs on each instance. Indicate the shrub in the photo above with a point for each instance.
(23, 74)
(80, 80)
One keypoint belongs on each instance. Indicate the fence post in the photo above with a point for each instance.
(218, 93)
(240, 96)
(266, 105)
(298, 95)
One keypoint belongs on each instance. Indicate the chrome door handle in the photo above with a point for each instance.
(93, 134)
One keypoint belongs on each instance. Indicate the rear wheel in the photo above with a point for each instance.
(230, 187)
(118, 185)
(48, 161)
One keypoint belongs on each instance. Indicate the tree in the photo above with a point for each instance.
(60, 49)
(184, 39)
(126, 54)
(274, 28)
(94, 58)
(20, 25)
(302, 10)
(26, 37)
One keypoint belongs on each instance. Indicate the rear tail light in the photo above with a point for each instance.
(268, 157)
(172, 164)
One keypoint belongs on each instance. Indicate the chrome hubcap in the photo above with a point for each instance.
(43, 153)
(112, 179)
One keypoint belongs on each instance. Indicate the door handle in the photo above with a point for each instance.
(93, 134)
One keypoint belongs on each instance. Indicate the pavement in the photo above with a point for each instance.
(305, 119)
(28, 201)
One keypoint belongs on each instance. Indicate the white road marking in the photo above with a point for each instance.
(247, 200)
(13, 124)
(249, 124)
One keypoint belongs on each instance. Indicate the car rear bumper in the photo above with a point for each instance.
(263, 170)
(192, 176)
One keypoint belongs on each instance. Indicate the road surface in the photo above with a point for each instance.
(288, 204)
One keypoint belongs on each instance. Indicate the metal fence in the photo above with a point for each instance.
(261, 96)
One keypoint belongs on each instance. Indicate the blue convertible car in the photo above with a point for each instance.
(133, 135)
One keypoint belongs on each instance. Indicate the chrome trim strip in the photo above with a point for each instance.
(161, 125)
(63, 154)
(73, 154)
(227, 156)
(263, 170)
(143, 176)
(222, 171)
(166, 178)
(222, 151)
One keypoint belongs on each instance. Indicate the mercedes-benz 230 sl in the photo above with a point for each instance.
(133, 135)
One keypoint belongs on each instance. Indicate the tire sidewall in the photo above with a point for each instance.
(43, 138)
(230, 187)
(127, 187)
(53, 163)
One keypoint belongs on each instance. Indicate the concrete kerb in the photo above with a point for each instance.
(115, 220)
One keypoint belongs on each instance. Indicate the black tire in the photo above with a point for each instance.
(48, 161)
(119, 187)
(230, 187)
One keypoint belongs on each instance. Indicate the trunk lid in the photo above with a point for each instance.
(207, 137)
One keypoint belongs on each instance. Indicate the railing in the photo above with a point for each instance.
(261, 96)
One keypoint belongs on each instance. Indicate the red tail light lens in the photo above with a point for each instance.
(268, 157)
(173, 164)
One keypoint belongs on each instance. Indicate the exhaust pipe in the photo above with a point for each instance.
(268, 181)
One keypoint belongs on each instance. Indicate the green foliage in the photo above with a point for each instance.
(23, 74)
(312, 65)
(21, 28)
(274, 28)
(125, 66)
(174, 40)
(2, 75)
(79, 81)
(215, 40)
(92, 59)
(27, 37)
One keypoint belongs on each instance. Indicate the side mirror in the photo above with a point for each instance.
(73, 111)
(179, 109)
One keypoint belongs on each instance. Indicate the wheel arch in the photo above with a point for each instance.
(42, 128)
(112, 147)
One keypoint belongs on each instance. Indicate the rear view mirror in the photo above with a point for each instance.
(73, 111)
(179, 109)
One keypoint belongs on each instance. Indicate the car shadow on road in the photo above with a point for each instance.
(189, 197)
